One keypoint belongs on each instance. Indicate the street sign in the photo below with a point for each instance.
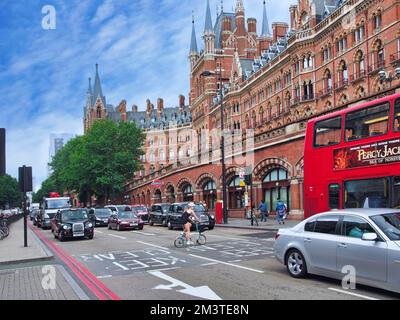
(156, 183)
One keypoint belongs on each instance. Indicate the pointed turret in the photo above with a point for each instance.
(98, 92)
(208, 24)
(265, 32)
(193, 41)
(90, 87)
(239, 6)
(209, 35)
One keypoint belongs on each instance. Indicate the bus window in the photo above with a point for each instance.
(367, 122)
(327, 132)
(396, 193)
(334, 196)
(371, 193)
(396, 125)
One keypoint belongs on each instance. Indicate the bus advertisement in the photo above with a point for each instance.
(352, 158)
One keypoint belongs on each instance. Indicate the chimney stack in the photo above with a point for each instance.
(252, 26)
(181, 102)
(160, 106)
(279, 30)
(135, 108)
(293, 17)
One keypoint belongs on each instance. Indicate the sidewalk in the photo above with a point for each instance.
(12, 250)
(270, 225)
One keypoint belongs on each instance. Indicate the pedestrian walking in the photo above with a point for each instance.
(281, 210)
(264, 211)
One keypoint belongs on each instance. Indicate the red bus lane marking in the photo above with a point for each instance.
(92, 277)
(81, 272)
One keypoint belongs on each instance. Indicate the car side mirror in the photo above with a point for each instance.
(369, 236)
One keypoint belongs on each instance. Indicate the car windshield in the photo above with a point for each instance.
(140, 208)
(165, 208)
(197, 208)
(57, 203)
(127, 215)
(103, 212)
(390, 224)
(124, 208)
(74, 215)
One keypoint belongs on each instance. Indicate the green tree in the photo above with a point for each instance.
(9, 192)
(100, 162)
(49, 185)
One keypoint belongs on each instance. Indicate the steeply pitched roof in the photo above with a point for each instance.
(98, 92)
(208, 24)
(218, 27)
(265, 32)
(193, 41)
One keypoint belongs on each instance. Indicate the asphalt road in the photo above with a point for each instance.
(233, 265)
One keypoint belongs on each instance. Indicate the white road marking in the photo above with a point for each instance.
(145, 233)
(353, 294)
(153, 245)
(202, 292)
(227, 263)
(209, 264)
(230, 238)
(121, 266)
(115, 236)
(102, 277)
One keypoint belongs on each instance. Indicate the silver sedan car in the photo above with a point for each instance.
(326, 244)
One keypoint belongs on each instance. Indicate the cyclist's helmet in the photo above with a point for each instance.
(191, 205)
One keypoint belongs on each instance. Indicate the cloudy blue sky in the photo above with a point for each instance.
(141, 47)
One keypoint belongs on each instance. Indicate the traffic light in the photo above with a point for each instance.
(248, 179)
(25, 179)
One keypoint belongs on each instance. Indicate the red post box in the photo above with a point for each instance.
(218, 213)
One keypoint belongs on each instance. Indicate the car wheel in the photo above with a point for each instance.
(141, 228)
(210, 228)
(61, 237)
(296, 264)
(169, 225)
(151, 222)
(91, 236)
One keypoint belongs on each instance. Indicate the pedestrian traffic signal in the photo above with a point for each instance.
(248, 179)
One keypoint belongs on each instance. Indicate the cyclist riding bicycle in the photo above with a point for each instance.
(189, 217)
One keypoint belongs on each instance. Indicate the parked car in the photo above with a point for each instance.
(367, 239)
(99, 216)
(49, 208)
(125, 220)
(177, 209)
(6, 213)
(141, 211)
(159, 214)
(71, 224)
(118, 208)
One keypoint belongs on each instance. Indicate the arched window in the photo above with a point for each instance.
(210, 194)
(261, 115)
(276, 186)
(187, 192)
(247, 121)
(327, 81)
(236, 193)
(254, 119)
(343, 75)
(162, 155)
(98, 112)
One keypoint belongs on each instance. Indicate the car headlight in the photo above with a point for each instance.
(46, 216)
(212, 216)
(66, 227)
(89, 225)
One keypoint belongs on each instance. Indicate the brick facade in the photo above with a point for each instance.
(328, 58)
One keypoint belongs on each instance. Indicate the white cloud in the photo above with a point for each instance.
(106, 10)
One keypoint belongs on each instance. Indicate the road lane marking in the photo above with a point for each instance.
(121, 266)
(353, 294)
(103, 277)
(115, 236)
(202, 292)
(227, 263)
(153, 245)
(213, 235)
(209, 264)
(145, 233)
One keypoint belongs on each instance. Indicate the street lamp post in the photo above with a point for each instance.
(224, 201)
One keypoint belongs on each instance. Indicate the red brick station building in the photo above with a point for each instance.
(273, 81)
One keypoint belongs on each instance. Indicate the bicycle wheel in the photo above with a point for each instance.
(201, 239)
(179, 242)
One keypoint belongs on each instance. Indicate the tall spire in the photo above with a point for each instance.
(98, 92)
(90, 86)
(193, 42)
(265, 25)
(208, 25)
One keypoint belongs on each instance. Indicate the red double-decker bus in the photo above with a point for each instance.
(352, 158)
